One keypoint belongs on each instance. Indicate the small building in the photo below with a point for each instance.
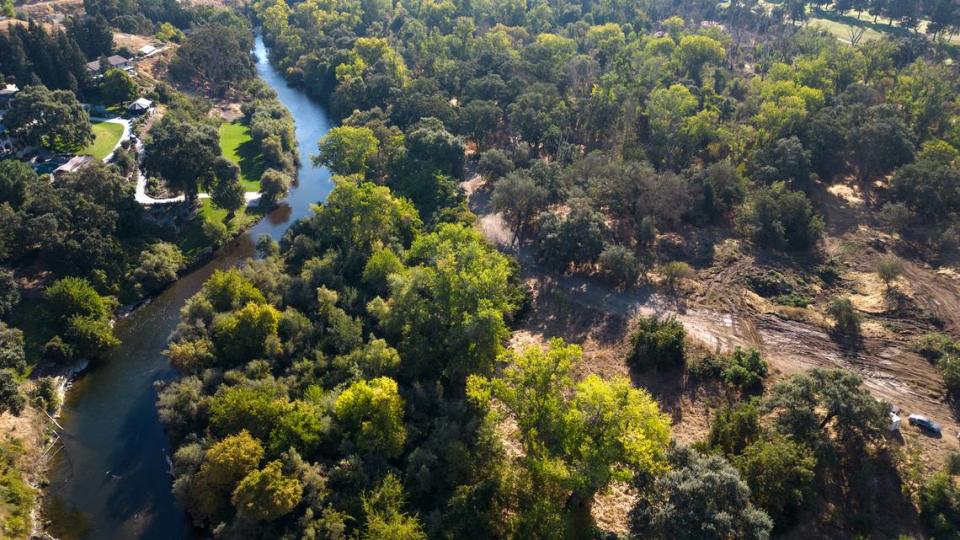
(140, 106)
(7, 93)
(115, 61)
(75, 163)
(147, 51)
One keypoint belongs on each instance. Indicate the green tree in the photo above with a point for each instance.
(703, 498)
(215, 55)
(9, 292)
(385, 518)
(16, 181)
(274, 185)
(225, 464)
(347, 150)
(229, 289)
(52, 119)
(657, 343)
(518, 197)
(940, 506)
(116, 86)
(10, 397)
(247, 334)
(227, 190)
(697, 51)
(181, 152)
(780, 473)
(619, 265)
(266, 494)
(846, 320)
(889, 268)
(158, 266)
(826, 407)
(92, 34)
(371, 413)
(745, 369)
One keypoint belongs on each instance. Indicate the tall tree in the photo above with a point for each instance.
(52, 119)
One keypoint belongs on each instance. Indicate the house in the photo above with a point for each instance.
(75, 163)
(140, 106)
(115, 61)
(7, 93)
(147, 51)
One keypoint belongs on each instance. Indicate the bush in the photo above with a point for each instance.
(494, 164)
(745, 370)
(657, 343)
(950, 369)
(674, 272)
(846, 321)
(940, 506)
(619, 265)
(935, 345)
(215, 232)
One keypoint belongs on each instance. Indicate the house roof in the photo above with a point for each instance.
(147, 49)
(114, 61)
(9, 90)
(141, 104)
(75, 163)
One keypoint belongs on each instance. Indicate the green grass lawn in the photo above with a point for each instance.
(107, 135)
(193, 241)
(237, 145)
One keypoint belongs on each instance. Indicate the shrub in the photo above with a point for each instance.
(674, 272)
(846, 321)
(745, 370)
(657, 343)
(619, 265)
(950, 369)
(940, 506)
(935, 345)
(889, 268)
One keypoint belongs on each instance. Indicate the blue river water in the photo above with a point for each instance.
(110, 480)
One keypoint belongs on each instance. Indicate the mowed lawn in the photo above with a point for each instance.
(237, 145)
(107, 135)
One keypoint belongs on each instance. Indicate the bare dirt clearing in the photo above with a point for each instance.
(720, 315)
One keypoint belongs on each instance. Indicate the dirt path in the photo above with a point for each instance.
(887, 366)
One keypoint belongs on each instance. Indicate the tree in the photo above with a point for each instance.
(822, 406)
(371, 413)
(52, 119)
(518, 197)
(10, 397)
(674, 272)
(619, 265)
(347, 150)
(81, 315)
(889, 268)
(229, 289)
(11, 348)
(225, 464)
(116, 86)
(880, 143)
(217, 55)
(696, 51)
(266, 494)
(228, 192)
(703, 498)
(783, 219)
(846, 320)
(657, 343)
(9, 292)
(92, 34)
(576, 238)
(183, 153)
(158, 266)
(940, 506)
(385, 518)
(274, 185)
(246, 334)
(780, 473)
(576, 438)
(16, 181)
(478, 118)
(494, 164)
(745, 369)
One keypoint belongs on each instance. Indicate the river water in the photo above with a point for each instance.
(110, 480)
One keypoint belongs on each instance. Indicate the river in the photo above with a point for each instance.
(110, 479)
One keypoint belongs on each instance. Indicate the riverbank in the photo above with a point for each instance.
(111, 478)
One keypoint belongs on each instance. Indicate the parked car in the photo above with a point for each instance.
(924, 423)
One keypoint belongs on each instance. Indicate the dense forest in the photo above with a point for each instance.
(355, 380)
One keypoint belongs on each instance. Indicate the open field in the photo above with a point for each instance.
(238, 146)
(107, 135)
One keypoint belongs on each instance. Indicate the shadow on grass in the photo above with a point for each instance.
(850, 20)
